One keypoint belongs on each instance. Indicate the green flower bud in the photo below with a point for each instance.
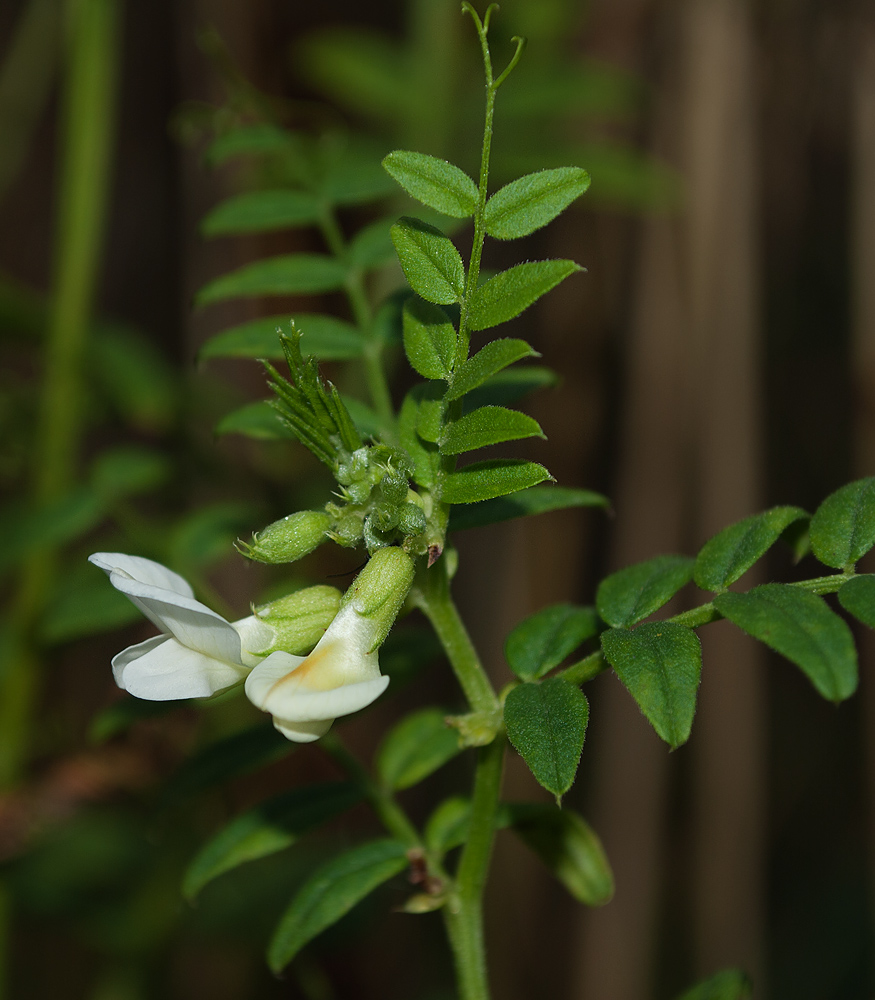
(380, 589)
(289, 539)
(300, 619)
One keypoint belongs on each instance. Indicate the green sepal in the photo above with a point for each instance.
(801, 627)
(485, 426)
(729, 554)
(494, 478)
(270, 827)
(436, 183)
(543, 640)
(288, 274)
(568, 846)
(488, 361)
(325, 337)
(530, 202)
(429, 338)
(546, 723)
(660, 664)
(842, 529)
(857, 597)
(431, 263)
(331, 892)
(536, 500)
(416, 747)
(510, 292)
(627, 597)
(262, 212)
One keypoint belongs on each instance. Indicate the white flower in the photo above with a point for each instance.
(198, 652)
(340, 676)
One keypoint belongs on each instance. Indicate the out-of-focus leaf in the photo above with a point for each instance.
(365, 419)
(510, 385)
(842, 529)
(486, 426)
(288, 274)
(729, 984)
(536, 500)
(84, 604)
(799, 625)
(488, 361)
(512, 291)
(262, 212)
(430, 261)
(579, 88)
(326, 337)
(270, 827)
(530, 202)
(407, 651)
(121, 715)
(256, 420)
(627, 597)
(660, 664)
(493, 478)
(544, 639)
(331, 892)
(546, 723)
(425, 455)
(436, 183)
(249, 140)
(725, 557)
(416, 748)
(372, 247)
(127, 471)
(447, 827)
(208, 533)
(29, 529)
(569, 847)
(353, 174)
(429, 338)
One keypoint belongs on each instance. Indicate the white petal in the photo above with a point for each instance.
(276, 686)
(171, 610)
(255, 637)
(144, 570)
(303, 732)
(162, 669)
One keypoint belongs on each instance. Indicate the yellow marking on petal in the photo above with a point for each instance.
(324, 679)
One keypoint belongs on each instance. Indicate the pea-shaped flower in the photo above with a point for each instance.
(342, 674)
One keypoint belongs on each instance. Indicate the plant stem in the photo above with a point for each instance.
(463, 915)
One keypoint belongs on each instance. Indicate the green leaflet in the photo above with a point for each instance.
(425, 455)
(430, 261)
(627, 597)
(288, 274)
(843, 527)
(857, 597)
(728, 555)
(270, 827)
(568, 846)
(536, 500)
(510, 292)
(261, 212)
(332, 891)
(326, 337)
(544, 639)
(530, 202)
(546, 723)
(729, 984)
(489, 360)
(429, 338)
(660, 664)
(436, 183)
(250, 140)
(415, 748)
(485, 426)
(447, 827)
(256, 420)
(800, 626)
(493, 478)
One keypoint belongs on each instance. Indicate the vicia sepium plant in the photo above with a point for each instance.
(401, 489)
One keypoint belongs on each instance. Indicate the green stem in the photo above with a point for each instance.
(431, 594)
(463, 914)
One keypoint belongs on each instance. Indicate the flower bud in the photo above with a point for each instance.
(300, 619)
(288, 539)
(379, 591)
